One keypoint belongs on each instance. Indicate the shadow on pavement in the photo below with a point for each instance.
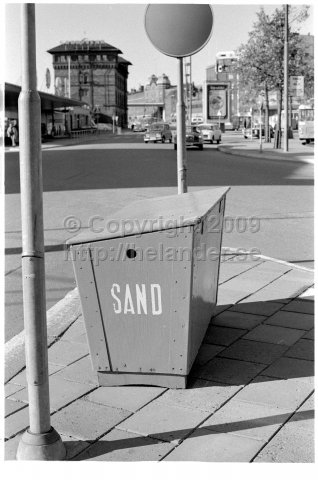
(104, 447)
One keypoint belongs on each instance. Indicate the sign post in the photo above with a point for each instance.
(40, 441)
(179, 30)
(260, 100)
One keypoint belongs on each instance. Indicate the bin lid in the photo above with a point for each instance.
(155, 214)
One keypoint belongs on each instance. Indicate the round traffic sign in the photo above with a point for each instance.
(179, 30)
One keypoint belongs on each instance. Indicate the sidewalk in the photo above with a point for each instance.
(67, 141)
(297, 152)
(249, 396)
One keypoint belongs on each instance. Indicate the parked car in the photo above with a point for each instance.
(255, 132)
(139, 127)
(210, 133)
(196, 120)
(193, 138)
(228, 126)
(158, 132)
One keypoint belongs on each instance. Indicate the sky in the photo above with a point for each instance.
(122, 26)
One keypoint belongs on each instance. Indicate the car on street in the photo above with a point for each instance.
(247, 132)
(193, 138)
(158, 132)
(210, 133)
(139, 127)
(228, 126)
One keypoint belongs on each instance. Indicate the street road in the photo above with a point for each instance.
(270, 205)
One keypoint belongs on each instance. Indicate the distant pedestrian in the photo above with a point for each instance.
(13, 133)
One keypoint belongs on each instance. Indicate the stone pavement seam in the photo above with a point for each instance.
(278, 430)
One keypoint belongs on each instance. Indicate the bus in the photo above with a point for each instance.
(306, 123)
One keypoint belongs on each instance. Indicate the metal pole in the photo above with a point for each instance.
(260, 130)
(69, 76)
(190, 105)
(40, 441)
(181, 147)
(286, 81)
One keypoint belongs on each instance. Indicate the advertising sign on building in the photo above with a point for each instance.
(296, 86)
(217, 101)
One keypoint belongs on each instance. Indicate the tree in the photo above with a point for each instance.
(260, 66)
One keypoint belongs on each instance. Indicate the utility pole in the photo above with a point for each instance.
(181, 147)
(286, 80)
(40, 441)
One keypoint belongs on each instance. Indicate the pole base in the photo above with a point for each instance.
(41, 446)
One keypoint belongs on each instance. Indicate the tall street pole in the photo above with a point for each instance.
(40, 441)
(181, 144)
(286, 81)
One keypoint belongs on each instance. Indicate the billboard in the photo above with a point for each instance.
(217, 101)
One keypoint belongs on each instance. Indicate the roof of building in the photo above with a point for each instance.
(48, 101)
(84, 45)
(123, 60)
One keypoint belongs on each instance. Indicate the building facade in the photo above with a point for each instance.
(95, 73)
(157, 100)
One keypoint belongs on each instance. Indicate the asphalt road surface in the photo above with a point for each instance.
(269, 207)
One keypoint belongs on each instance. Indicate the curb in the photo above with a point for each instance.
(263, 156)
(59, 318)
(233, 251)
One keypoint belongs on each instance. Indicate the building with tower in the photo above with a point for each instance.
(95, 73)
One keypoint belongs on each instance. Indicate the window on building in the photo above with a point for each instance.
(85, 78)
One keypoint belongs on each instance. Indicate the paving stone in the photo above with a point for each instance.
(239, 320)
(121, 446)
(11, 388)
(12, 406)
(202, 394)
(294, 443)
(252, 351)
(17, 422)
(257, 308)
(64, 353)
(128, 398)
(207, 446)
(303, 349)
(281, 290)
(308, 295)
(303, 321)
(221, 308)
(76, 333)
(86, 420)
(222, 335)
(310, 335)
(62, 392)
(247, 419)
(274, 334)
(227, 295)
(290, 368)
(165, 422)
(11, 447)
(20, 379)
(224, 370)
(301, 306)
(207, 352)
(73, 446)
(80, 371)
(231, 269)
(275, 392)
